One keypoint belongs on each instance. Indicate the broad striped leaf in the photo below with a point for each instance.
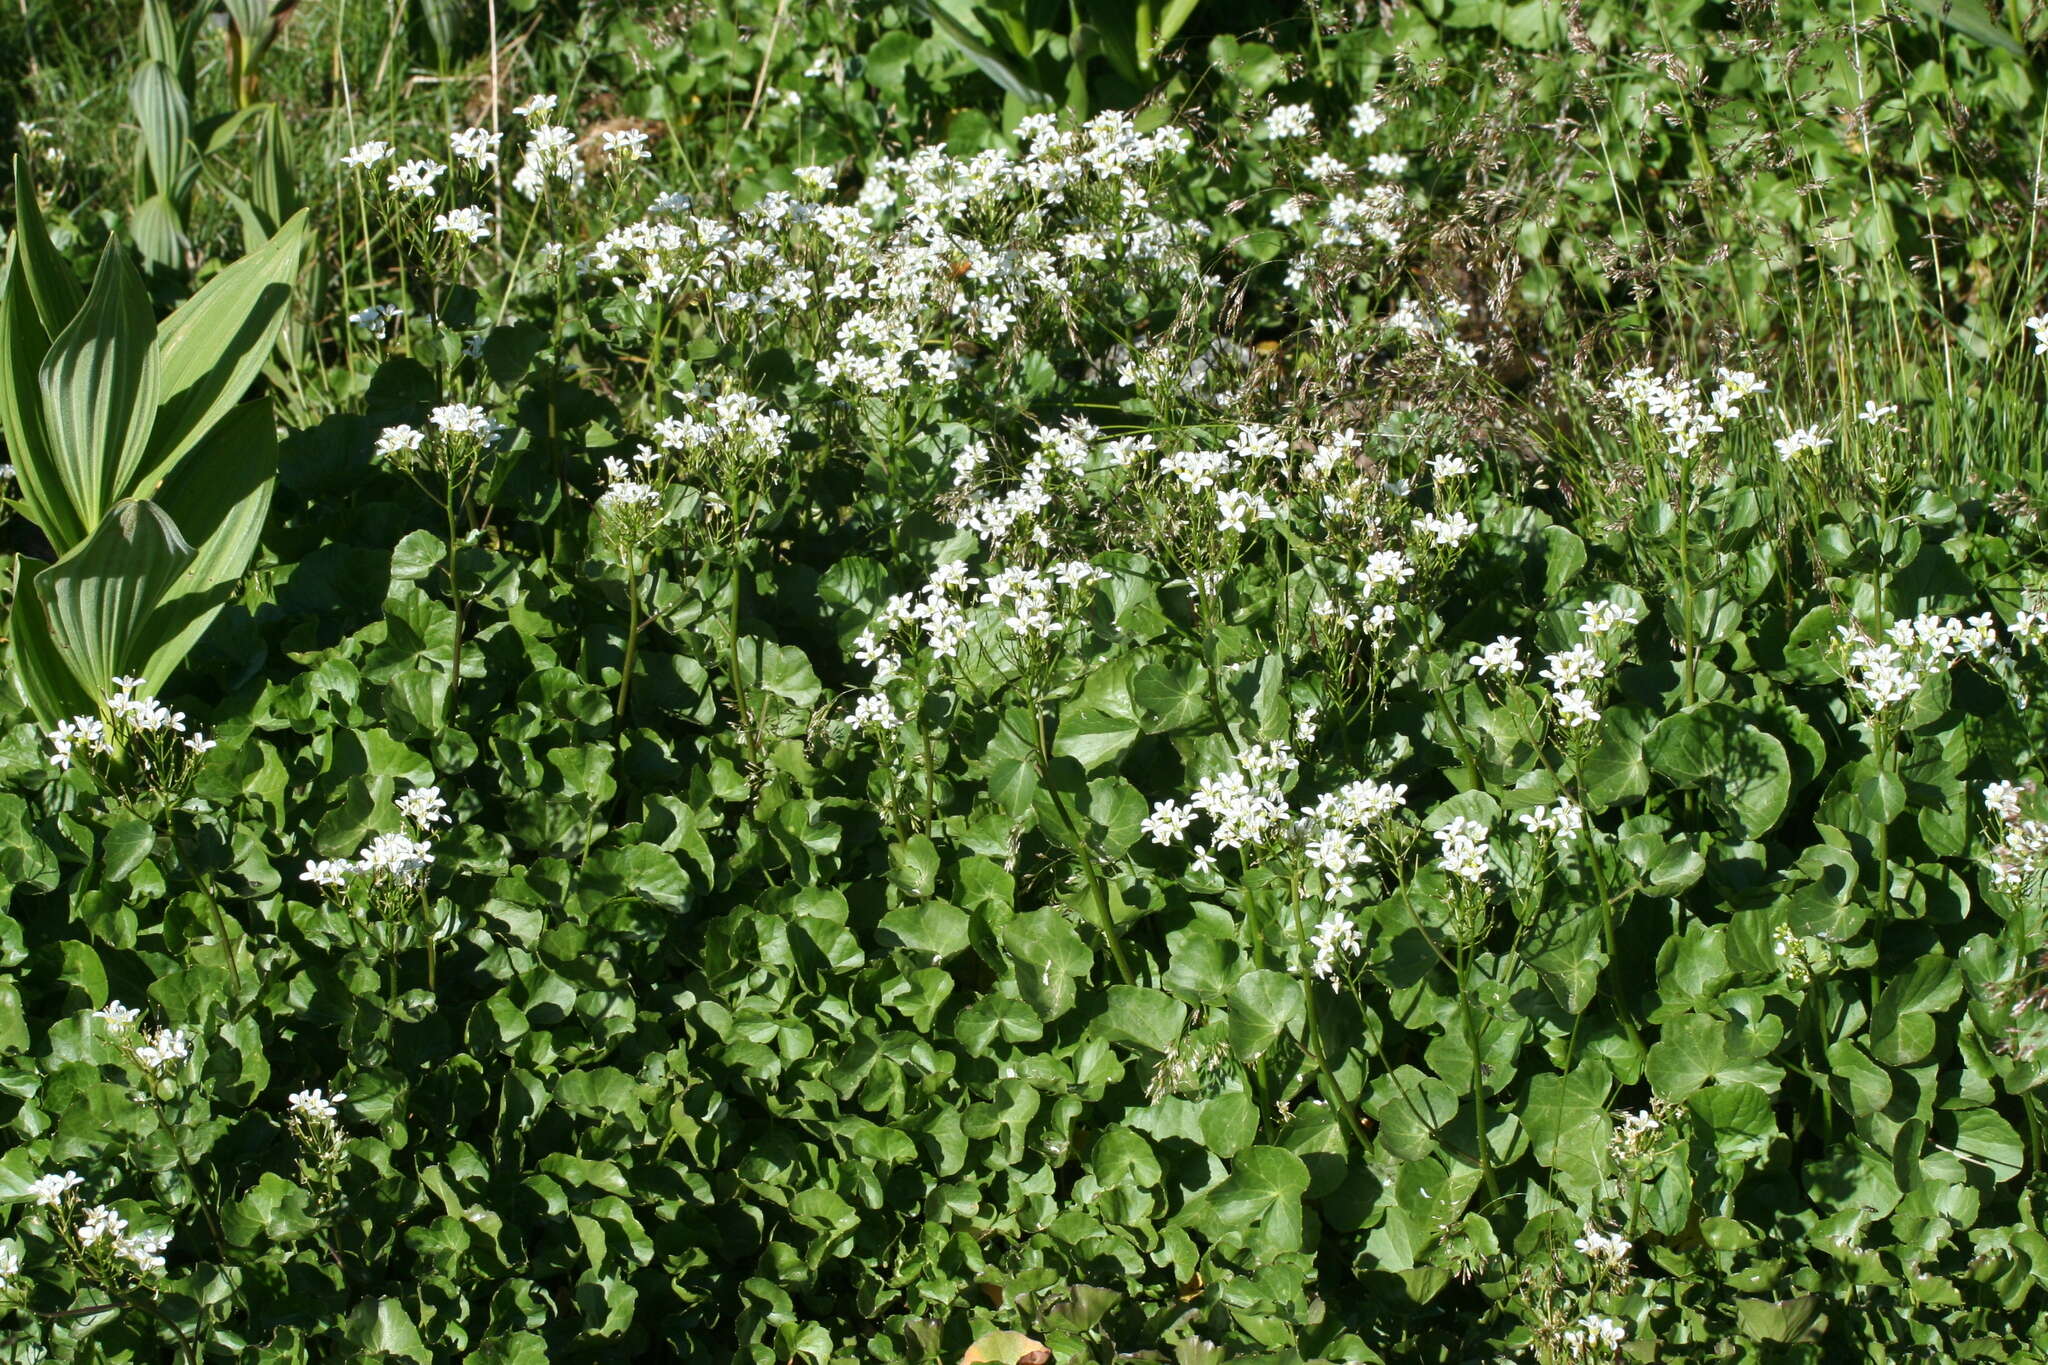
(99, 384)
(38, 671)
(99, 597)
(56, 294)
(23, 344)
(166, 121)
(213, 347)
(218, 497)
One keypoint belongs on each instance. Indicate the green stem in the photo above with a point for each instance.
(455, 597)
(1098, 893)
(632, 634)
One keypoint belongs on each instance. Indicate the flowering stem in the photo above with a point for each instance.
(455, 596)
(1098, 894)
(739, 686)
(1312, 1035)
(632, 633)
(1472, 1041)
(219, 916)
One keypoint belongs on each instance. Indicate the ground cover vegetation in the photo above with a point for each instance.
(1011, 682)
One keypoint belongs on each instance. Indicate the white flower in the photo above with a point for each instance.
(874, 712)
(1598, 618)
(393, 440)
(376, 319)
(824, 179)
(119, 1017)
(2038, 325)
(478, 146)
(627, 144)
(327, 872)
(2002, 799)
(1388, 164)
(1873, 414)
(424, 806)
(166, 1048)
(1167, 822)
(415, 177)
(1799, 441)
(100, 1223)
(1576, 708)
(1563, 820)
(145, 1250)
(1366, 119)
(472, 223)
(10, 1266)
(366, 155)
(1335, 938)
(312, 1104)
(1452, 530)
(1598, 1246)
(1501, 656)
(1573, 666)
(51, 1190)
(399, 857)
(462, 419)
(1462, 842)
(537, 107)
(1290, 121)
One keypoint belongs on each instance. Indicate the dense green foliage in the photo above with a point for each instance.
(940, 681)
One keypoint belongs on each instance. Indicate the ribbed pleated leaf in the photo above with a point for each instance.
(218, 497)
(213, 347)
(159, 235)
(98, 599)
(39, 673)
(50, 283)
(23, 344)
(99, 386)
(165, 118)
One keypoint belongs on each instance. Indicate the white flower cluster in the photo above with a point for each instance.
(143, 1250)
(471, 224)
(1463, 850)
(313, 1119)
(1595, 1336)
(1561, 820)
(2021, 854)
(2038, 325)
(1890, 671)
(1027, 603)
(1248, 809)
(156, 1051)
(550, 153)
(1599, 1246)
(366, 155)
(377, 319)
(136, 723)
(1502, 656)
(417, 178)
(102, 1230)
(397, 860)
(731, 425)
(1335, 939)
(1636, 1135)
(1688, 421)
(314, 1105)
(465, 419)
(477, 147)
(1801, 441)
(1030, 598)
